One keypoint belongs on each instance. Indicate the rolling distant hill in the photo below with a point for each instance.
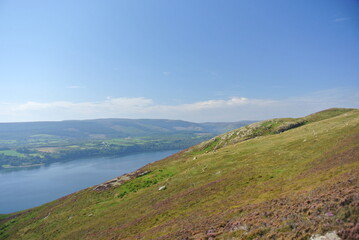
(37, 143)
(109, 128)
(276, 179)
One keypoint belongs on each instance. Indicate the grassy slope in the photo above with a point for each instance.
(289, 185)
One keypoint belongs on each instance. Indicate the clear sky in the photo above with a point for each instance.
(200, 60)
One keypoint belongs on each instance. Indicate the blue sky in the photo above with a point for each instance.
(198, 60)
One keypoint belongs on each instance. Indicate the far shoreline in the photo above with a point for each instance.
(22, 166)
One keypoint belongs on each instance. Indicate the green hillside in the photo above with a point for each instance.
(277, 179)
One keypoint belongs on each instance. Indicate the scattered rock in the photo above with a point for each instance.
(328, 236)
(144, 173)
(236, 226)
(161, 188)
(240, 228)
(47, 216)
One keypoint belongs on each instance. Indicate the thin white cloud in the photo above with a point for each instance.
(166, 73)
(341, 19)
(232, 109)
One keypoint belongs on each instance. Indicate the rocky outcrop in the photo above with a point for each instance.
(115, 182)
(251, 131)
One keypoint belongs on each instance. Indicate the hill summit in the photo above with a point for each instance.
(276, 179)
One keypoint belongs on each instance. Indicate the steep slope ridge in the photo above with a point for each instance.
(268, 127)
(271, 186)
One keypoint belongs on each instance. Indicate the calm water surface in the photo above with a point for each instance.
(25, 188)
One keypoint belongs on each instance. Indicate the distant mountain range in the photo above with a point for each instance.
(110, 128)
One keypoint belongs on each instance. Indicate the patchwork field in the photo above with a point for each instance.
(26, 144)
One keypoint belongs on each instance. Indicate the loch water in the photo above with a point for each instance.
(24, 188)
